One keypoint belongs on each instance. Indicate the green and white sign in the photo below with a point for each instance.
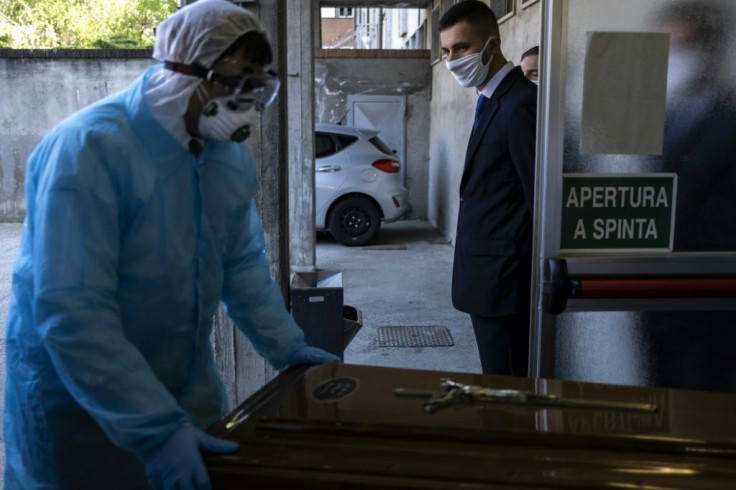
(618, 212)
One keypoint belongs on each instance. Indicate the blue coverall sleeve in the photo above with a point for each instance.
(254, 301)
(76, 242)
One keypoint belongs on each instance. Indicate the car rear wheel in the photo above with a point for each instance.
(355, 221)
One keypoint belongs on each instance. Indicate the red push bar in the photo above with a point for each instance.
(656, 288)
(559, 286)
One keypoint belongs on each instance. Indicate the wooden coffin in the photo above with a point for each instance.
(343, 426)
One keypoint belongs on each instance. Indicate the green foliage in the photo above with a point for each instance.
(117, 41)
(47, 24)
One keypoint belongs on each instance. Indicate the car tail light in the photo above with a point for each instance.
(387, 165)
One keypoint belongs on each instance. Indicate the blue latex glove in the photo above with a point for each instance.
(178, 463)
(311, 355)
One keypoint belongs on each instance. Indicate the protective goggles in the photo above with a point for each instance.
(248, 90)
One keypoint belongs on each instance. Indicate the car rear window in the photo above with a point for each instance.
(378, 143)
(346, 140)
(324, 145)
(327, 144)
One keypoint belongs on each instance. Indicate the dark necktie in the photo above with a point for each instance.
(479, 108)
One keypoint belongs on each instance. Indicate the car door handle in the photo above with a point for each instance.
(329, 168)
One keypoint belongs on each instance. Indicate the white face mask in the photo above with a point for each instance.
(221, 123)
(470, 71)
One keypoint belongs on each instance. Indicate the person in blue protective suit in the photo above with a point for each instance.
(131, 241)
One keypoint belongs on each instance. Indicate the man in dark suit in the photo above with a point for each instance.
(492, 269)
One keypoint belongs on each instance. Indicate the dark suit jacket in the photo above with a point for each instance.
(492, 268)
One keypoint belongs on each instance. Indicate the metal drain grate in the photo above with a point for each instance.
(428, 336)
(388, 246)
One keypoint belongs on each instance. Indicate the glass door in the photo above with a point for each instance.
(635, 228)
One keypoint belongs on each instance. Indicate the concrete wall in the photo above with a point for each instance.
(47, 88)
(39, 89)
(451, 117)
(340, 73)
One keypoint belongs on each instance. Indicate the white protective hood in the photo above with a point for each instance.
(198, 33)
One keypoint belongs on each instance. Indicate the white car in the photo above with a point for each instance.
(358, 183)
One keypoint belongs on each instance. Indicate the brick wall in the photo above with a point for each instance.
(334, 29)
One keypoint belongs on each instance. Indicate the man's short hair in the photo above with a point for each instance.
(530, 52)
(256, 47)
(481, 18)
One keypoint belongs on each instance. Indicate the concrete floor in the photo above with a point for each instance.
(402, 279)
